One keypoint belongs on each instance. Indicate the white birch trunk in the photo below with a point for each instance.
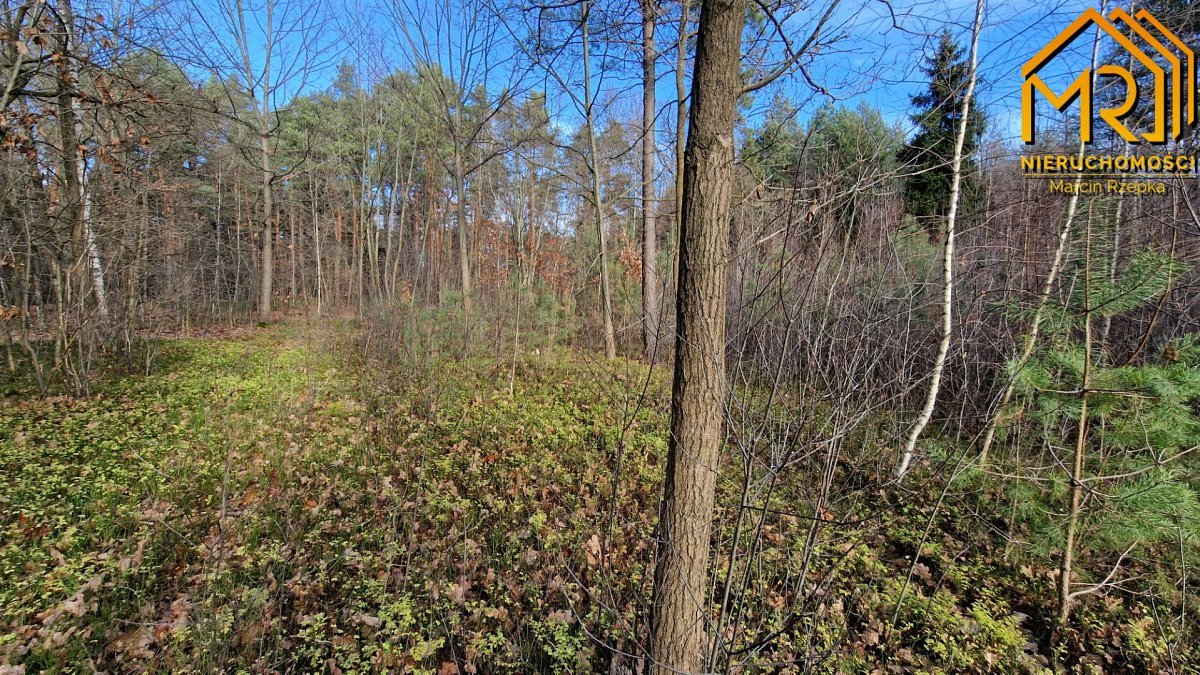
(939, 365)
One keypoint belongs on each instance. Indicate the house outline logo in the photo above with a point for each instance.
(1082, 87)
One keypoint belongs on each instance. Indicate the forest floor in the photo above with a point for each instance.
(298, 500)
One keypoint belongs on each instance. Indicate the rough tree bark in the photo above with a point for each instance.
(698, 391)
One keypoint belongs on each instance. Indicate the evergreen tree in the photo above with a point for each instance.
(853, 152)
(773, 150)
(1131, 427)
(928, 156)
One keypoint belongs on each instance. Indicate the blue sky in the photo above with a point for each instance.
(873, 56)
(876, 50)
(890, 53)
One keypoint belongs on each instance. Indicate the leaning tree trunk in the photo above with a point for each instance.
(939, 363)
(698, 390)
(1039, 314)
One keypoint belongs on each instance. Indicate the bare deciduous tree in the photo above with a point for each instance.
(698, 394)
(650, 296)
(261, 54)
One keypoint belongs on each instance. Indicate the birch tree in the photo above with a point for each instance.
(1043, 302)
(956, 181)
(75, 163)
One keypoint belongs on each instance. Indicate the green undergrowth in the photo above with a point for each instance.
(261, 504)
(304, 500)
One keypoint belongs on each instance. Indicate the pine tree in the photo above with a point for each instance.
(857, 149)
(1130, 428)
(773, 150)
(928, 156)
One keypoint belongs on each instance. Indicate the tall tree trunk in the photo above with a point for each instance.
(268, 227)
(650, 306)
(610, 342)
(292, 250)
(389, 252)
(373, 251)
(939, 363)
(336, 284)
(698, 389)
(395, 271)
(134, 282)
(464, 242)
(298, 239)
(91, 246)
(681, 123)
(237, 240)
(358, 218)
(316, 223)
(86, 250)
